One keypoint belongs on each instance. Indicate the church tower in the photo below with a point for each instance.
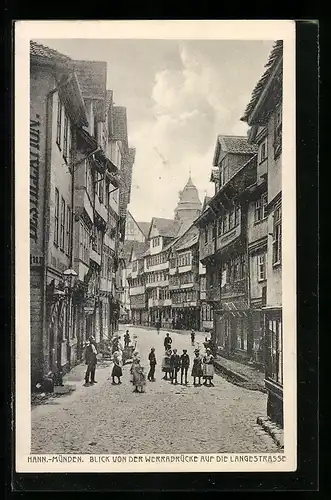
(189, 205)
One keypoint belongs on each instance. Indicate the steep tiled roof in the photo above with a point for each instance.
(274, 57)
(92, 77)
(38, 50)
(166, 227)
(236, 144)
(140, 248)
(126, 249)
(189, 243)
(144, 227)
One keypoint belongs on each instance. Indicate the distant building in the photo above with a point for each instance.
(135, 231)
(137, 288)
(188, 207)
(184, 280)
(164, 280)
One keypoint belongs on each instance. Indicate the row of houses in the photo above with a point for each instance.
(219, 266)
(80, 181)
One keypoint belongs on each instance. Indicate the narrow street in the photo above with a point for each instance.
(106, 419)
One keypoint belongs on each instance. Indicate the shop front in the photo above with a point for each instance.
(233, 330)
(186, 317)
(274, 363)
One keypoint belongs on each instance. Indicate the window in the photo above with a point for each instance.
(263, 150)
(68, 231)
(65, 136)
(241, 335)
(59, 123)
(224, 174)
(275, 344)
(261, 208)
(102, 190)
(236, 270)
(278, 131)
(261, 267)
(220, 226)
(214, 229)
(231, 219)
(56, 217)
(277, 237)
(63, 216)
(206, 235)
(225, 223)
(236, 216)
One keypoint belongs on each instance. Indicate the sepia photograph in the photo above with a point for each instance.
(161, 246)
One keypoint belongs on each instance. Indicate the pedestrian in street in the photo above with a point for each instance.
(167, 342)
(117, 367)
(208, 368)
(192, 337)
(91, 361)
(127, 339)
(134, 358)
(152, 364)
(138, 376)
(184, 366)
(197, 368)
(174, 366)
(166, 368)
(158, 326)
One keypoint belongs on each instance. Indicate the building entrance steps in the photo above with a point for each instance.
(240, 374)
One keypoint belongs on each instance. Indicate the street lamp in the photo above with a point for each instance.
(69, 275)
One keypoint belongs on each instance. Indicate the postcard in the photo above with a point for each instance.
(155, 246)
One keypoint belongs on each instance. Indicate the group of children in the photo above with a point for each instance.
(173, 363)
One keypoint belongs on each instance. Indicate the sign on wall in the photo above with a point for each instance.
(36, 193)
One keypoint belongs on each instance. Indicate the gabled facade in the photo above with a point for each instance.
(223, 247)
(136, 279)
(75, 209)
(135, 231)
(264, 115)
(184, 280)
(57, 114)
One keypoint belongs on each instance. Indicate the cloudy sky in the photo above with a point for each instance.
(179, 96)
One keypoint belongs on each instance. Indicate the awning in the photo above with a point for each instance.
(237, 308)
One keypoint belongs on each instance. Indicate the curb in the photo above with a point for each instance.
(238, 379)
(274, 430)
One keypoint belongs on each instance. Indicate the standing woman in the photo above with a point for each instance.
(138, 376)
(117, 368)
(166, 367)
(134, 360)
(197, 368)
(208, 368)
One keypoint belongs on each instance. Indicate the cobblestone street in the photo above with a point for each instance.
(106, 419)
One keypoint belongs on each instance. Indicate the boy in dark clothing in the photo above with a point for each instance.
(91, 361)
(167, 342)
(184, 365)
(175, 366)
(152, 364)
(126, 339)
